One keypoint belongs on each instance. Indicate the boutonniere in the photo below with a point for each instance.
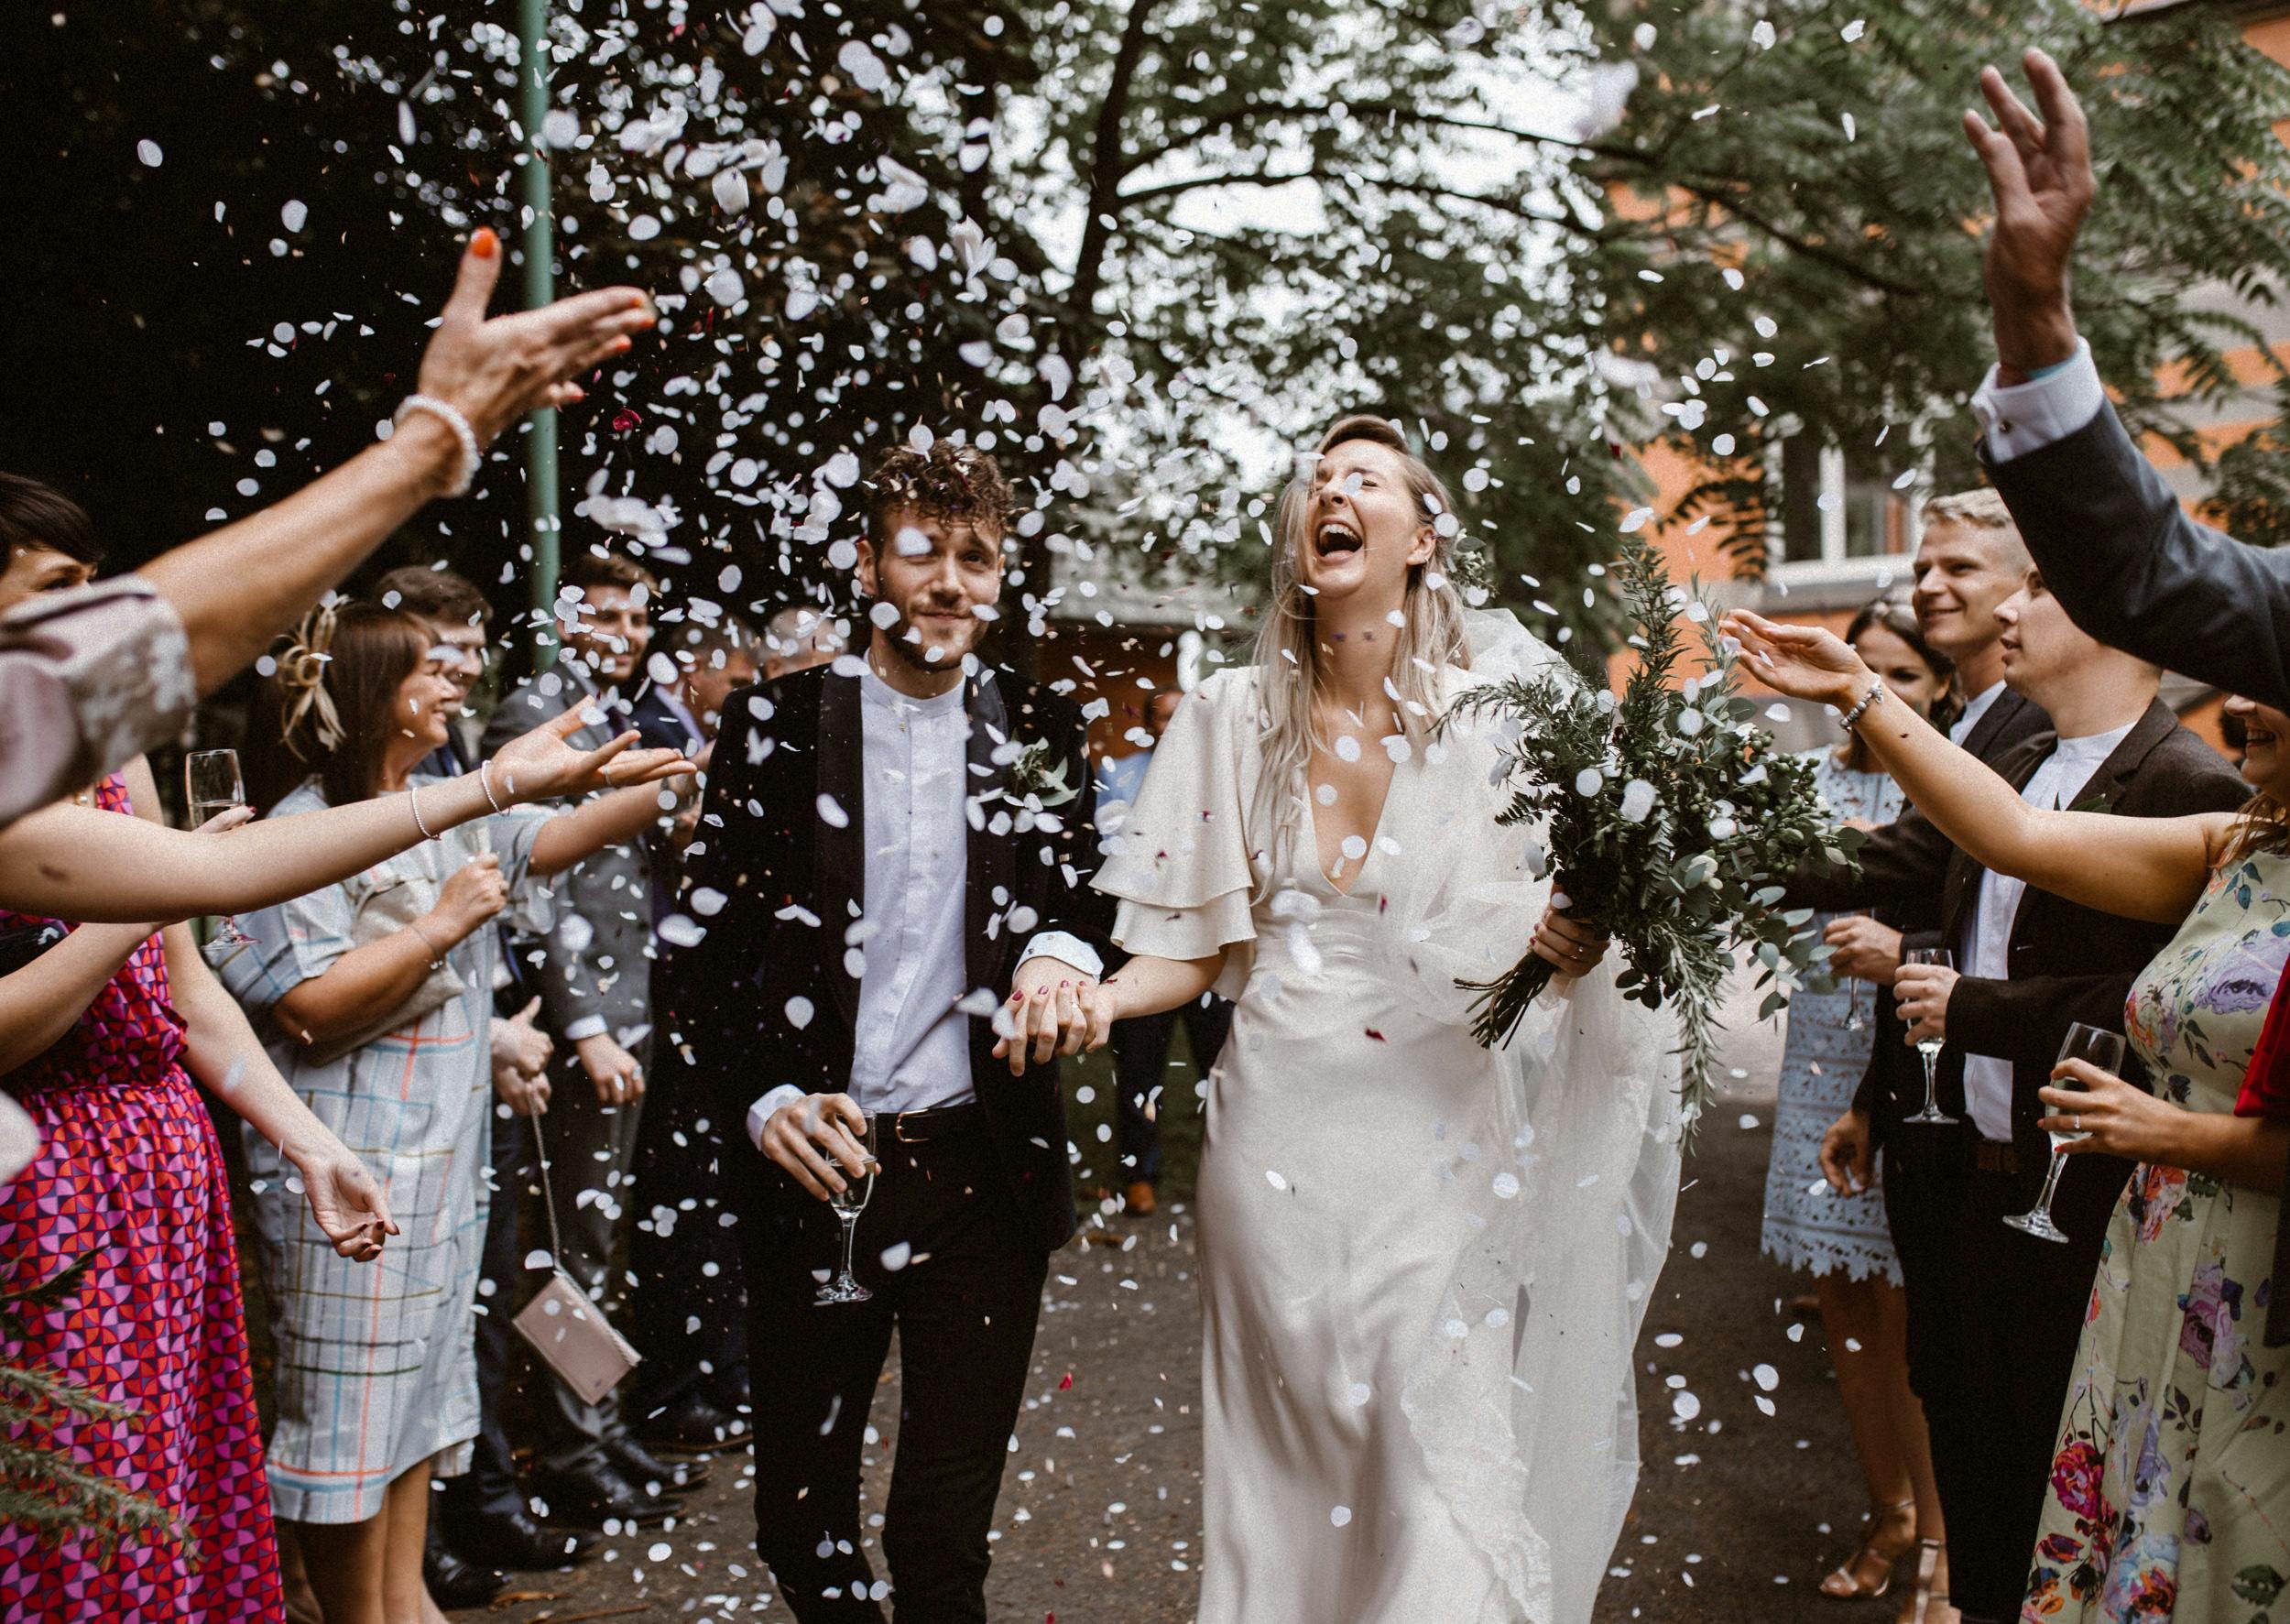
(1039, 774)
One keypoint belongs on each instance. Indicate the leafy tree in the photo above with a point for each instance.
(1761, 217)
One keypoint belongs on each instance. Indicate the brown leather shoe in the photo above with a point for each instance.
(1139, 1198)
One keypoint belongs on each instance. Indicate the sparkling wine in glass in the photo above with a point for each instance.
(212, 786)
(1929, 1048)
(2104, 1052)
(849, 1203)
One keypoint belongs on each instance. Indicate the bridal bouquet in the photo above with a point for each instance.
(1670, 817)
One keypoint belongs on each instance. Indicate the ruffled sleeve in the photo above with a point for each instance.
(1180, 863)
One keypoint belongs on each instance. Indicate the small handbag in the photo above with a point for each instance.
(569, 1332)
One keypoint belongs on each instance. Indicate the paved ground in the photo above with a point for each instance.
(1740, 1513)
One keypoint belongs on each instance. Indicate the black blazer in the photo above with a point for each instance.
(1904, 868)
(2069, 962)
(2131, 568)
(782, 841)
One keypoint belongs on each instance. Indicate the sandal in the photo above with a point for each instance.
(1847, 1582)
(1928, 1606)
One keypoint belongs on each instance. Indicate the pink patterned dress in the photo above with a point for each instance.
(129, 1170)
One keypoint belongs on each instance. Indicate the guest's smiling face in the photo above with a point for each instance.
(611, 628)
(425, 700)
(2042, 648)
(1963, 572)
(2266, 747)
(1363, 528)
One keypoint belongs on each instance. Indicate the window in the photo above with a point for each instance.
(1830, 510)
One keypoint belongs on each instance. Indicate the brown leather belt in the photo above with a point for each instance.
(920, 1127)
(1997, 1156)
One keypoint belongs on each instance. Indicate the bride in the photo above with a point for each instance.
(1423, 1263)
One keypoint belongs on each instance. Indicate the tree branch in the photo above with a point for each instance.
(1252, 108)
(1105, 168)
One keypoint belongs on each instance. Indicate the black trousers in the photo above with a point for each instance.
(1995, 1318)
(1140, 1062)
(965, 1300)
(684, 1313)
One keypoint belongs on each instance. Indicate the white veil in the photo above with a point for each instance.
(1523, 1396)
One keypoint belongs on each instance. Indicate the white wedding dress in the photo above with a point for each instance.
(1422, 1264)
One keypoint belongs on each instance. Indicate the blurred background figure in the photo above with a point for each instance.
(802, 637)
(1843, 1242)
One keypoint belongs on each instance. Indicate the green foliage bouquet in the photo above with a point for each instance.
(1671, 819)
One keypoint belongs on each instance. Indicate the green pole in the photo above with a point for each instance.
(540, 442)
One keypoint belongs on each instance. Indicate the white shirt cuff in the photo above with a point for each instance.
(588, 1026)
(2018, 418)
(759, 1115)
(1071, 949)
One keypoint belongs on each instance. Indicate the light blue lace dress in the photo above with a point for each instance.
(1821, 1065)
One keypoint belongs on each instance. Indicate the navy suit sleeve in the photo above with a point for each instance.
(2133, 570)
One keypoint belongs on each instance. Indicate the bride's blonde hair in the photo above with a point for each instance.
(1431, 633)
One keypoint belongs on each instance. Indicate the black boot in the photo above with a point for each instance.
(454, 1582)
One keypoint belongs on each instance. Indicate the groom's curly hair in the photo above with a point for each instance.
(949, 481)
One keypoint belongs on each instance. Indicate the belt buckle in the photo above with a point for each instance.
(899, 1130)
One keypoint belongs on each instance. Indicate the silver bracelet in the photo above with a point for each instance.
(451, 416)
(485, 777)
(1876, 693)
(413, 793)
(437, 959)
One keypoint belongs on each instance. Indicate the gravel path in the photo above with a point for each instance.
(1739, 1514)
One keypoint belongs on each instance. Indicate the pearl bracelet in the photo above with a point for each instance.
(451, 416)
(1876, 693)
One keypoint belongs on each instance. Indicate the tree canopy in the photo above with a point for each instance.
(1148, 246)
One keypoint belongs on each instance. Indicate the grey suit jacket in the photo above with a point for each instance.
(597, 961)
(2131, 568)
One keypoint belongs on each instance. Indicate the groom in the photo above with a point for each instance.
(886, 844)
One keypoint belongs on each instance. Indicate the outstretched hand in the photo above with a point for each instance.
(2040, 170)
(498, 368)
(542, 765)
(1802, 661)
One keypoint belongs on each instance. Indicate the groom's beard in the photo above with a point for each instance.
(909, 644)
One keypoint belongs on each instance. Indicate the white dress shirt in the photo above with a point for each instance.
(2017, 419)
(2058, 782)
(912, 1051)
(1974, 709)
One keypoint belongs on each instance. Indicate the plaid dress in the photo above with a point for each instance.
(377, 1368)
(130, 1177)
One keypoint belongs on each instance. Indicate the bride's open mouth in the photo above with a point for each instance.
(1337, 540)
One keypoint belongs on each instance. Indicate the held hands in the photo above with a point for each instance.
(470, 895)
(1845, 1153)
(520, 1062)
(1802, 661)
(539, 765)
(1863, 949)
(1054, 1009)
(2115, 1118)
(612, 1069)
(497, 370)
(804, 1134)
(2040, 170)
(345, 1200)
(1922, 992)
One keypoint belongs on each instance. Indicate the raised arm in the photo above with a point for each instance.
(74, 862)
(240, 586)
(2115, 545)
(588, 828)
(2150, 869)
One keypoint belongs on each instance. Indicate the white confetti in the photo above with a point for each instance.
(1274, 1179)
(1340, 1515)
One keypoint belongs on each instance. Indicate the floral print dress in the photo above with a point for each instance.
(2170, 1492)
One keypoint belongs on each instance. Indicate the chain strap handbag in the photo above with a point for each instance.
(569, 1332)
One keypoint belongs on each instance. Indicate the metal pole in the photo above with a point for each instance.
(540, 442)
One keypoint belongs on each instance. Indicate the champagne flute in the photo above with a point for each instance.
(212, 786)
(848, 1202)
(2104, 1052)
(1932, 1115)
